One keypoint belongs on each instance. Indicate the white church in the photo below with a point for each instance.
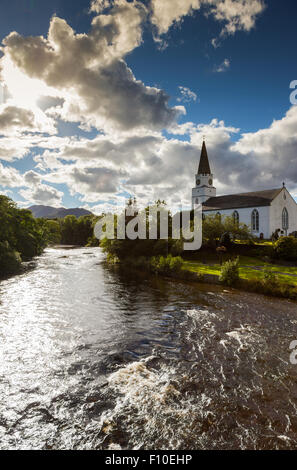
(263, 211)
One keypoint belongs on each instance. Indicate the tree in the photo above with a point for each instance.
(214, 227)
(21, 235)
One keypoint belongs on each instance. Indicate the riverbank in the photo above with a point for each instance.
(271, 280)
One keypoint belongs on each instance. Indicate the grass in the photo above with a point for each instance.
(247, 270)
(256, 242)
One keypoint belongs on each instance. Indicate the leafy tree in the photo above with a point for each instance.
(286, 248)
(21, 236)
(214, 227)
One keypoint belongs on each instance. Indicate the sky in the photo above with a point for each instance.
(103, 99)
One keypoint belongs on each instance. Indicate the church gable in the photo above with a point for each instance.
(284, 213)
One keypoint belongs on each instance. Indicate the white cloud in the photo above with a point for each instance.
(236, 15)
(152, 166)
(10, 177)
(42, 194)
(168, 12)
(98, 88)
(225, 65)
(187, 95)
(15, 120)
(99, 5)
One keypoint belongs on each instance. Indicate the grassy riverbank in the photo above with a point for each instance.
(250, 269)
(253, 275)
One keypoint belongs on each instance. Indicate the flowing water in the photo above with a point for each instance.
(95, 358)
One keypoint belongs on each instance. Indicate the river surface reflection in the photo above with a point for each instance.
(94, 358)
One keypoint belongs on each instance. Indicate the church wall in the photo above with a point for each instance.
(277, 206)
(245, 217)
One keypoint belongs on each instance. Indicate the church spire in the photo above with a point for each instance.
(204, 188)
(204, 168)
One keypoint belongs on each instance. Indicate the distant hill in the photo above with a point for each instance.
(48, 212)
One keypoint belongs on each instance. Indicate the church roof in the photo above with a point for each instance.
(204, 168)
(242, 200)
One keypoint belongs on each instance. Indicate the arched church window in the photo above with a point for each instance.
(285, 219)
(235, 217)
(255, 220)
(196, 200)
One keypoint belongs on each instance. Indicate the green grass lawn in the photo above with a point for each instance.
(256, 242)
(247, 269)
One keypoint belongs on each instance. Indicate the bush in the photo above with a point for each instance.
(10, 260)
(230, 272)
(269, 278)
(162, 265)
(286, 248)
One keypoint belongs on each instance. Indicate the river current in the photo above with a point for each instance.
(93, 357)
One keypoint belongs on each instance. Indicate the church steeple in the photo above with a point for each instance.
(204, 168)
(204, 180)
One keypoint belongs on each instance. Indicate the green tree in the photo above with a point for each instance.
(21, 236)
(214, 226)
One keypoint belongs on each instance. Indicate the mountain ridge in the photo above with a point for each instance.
(49, 212)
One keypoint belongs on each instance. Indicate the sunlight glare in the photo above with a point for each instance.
(25, 91)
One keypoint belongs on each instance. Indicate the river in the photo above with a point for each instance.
(95, 358)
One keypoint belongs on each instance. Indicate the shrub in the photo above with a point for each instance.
(176, 247)
(112, 259)
(269, 277)
(170, 264)
(286, 248)
(230, 272)
(10, 260)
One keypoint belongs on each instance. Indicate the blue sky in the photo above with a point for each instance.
(238, 87)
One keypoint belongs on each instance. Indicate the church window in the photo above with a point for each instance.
(255, 220)
(236, 217)
(196, 200)
(285, 219)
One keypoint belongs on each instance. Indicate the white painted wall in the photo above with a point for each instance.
(203, 191)
(245, 217)
(277, 206)
(270, 217)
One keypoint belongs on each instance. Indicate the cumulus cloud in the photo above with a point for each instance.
(42, 194)
(32, 178)
(168, 12)
(14, 147)
(99, 5)
(12, 117)
(15, 120)
(236, 15)
(153, 166)
(10, 177)
(98, 87)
